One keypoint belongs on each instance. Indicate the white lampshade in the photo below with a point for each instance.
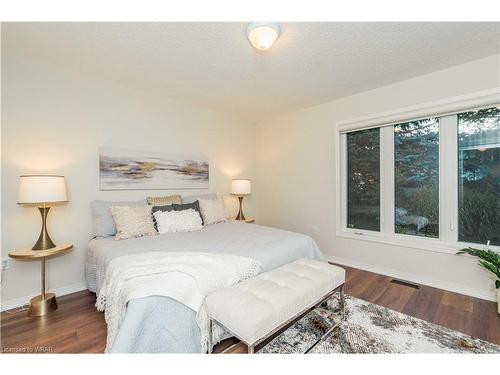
(262, 35)
(42, 189)
(241, 187)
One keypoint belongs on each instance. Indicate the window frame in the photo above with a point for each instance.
(446, 111)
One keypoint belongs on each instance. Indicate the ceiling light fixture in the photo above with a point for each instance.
(262, 35)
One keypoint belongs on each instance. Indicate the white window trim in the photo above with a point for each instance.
(448, 179)
(448, 193)
(436, 108)
(387, 194)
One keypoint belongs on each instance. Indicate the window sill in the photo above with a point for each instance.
(402, 240)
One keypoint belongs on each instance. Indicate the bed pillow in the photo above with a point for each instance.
(177, 221)
(163, 201)
(168, 207)
(104, 225)
(193, 198)
(186, 206)
(212, 210)
(133, 222)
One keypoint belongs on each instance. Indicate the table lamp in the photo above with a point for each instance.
(42, 191)
(240, 188)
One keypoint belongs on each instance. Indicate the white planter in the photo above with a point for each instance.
(498, 301)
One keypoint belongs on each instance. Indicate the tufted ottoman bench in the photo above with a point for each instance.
(255, 309)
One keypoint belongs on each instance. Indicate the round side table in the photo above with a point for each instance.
(45, 302)
(248, 220)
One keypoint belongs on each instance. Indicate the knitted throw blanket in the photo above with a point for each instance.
(185, 277)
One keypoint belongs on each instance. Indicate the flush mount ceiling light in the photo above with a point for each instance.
(262, 35)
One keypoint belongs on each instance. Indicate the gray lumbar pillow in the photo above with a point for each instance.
(104, 225)
(194, 198)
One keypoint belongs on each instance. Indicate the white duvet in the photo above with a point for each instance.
(186, 277)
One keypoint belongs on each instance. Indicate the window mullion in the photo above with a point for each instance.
(387, 180)
(448, 179)
(343, 180)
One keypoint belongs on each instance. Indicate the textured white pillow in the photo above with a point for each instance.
(212, 210)
(132, 221)
(177, 221)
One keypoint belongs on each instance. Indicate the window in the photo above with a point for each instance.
(479, 176)
(433, 181)
(363, 171)
(416, 156)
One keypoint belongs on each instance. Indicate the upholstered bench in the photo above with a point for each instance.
(257, 308)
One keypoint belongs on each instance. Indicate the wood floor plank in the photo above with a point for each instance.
(395, 297)
(424, 304)
(77, 327)
(485, 321)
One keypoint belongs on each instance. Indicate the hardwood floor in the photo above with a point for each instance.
(77, 327)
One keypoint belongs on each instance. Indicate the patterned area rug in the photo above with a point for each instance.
(371, 328)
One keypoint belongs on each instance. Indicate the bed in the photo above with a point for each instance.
(160, 324)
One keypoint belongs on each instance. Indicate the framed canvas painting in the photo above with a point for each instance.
(121, 169)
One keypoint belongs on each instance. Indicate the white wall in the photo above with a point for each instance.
(53, 121)
(296, 176)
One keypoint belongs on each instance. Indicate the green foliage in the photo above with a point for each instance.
(363, 149)
(479, 171)
(488, 259)
(481, 121)
(479, 215)
(425, 202)
(416, 150)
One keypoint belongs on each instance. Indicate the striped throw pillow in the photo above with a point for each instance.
(164, 201)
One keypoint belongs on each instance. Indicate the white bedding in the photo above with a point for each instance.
(270, 246)
(162, 325)
(186, 277)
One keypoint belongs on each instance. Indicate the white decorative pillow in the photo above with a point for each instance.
(177, 221)
(133, 221)
(212, 210)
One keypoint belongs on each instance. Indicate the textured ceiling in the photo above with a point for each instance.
(213, 65)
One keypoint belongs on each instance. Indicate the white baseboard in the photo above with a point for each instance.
(62, 291)
(435, 283)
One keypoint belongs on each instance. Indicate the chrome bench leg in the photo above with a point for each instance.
(251, 349)
(341, 291)
(210, 334)
(342, 301)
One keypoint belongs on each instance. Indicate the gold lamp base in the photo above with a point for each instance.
(44, 241)
(240, 215)
(42, 305)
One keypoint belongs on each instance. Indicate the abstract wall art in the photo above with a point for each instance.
(121, 169)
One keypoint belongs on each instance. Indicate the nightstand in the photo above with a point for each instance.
(248, 221)
(45, 302)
